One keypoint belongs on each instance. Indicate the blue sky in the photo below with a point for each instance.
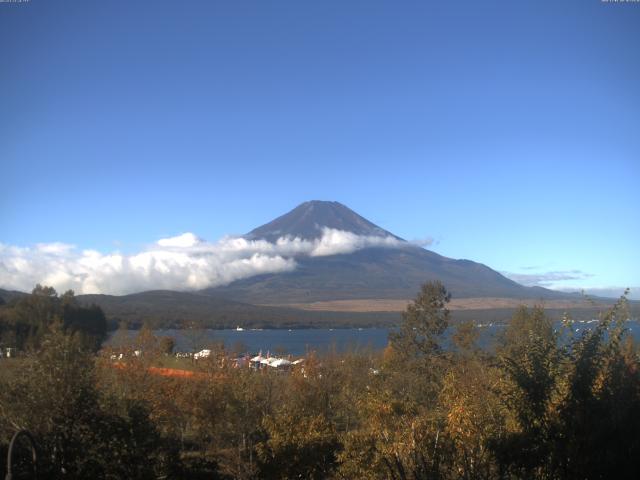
(507, 131)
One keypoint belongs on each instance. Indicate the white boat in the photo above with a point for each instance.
(239, 329)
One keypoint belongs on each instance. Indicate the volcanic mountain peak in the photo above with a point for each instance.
(307, 220)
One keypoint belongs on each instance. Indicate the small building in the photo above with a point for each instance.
(206, 353)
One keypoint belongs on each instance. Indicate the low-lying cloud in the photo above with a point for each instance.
(546, 279)
(184, 262)
(610, 292)
(424, 242)
(566, 280)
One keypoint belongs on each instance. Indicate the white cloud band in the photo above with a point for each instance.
(184, 262)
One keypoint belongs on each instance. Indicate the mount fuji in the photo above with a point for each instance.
(395, 270)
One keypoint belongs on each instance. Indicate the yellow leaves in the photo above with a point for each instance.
(390, 356)
(472, 412)
(461, 417)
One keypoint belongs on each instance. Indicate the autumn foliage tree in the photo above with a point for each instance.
(555, 401)
(80, 434)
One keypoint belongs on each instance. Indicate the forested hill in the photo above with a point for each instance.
(8, 295)
(163, 308)
(167, 309)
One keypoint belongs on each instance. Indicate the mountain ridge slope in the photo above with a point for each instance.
(391, 272)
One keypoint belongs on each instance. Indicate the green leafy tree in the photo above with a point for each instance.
(598, 425)
(28, 319)
(573, 403)
(530, 360)
(79, 433)
(423, 322)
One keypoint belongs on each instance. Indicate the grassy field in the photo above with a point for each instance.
(390, 305)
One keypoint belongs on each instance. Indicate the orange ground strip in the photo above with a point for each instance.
(168, 372)
(175, 373)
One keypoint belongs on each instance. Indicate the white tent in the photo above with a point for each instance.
(279, 363)
(202, 354)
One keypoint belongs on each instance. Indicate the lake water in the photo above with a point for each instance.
(301, 341)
